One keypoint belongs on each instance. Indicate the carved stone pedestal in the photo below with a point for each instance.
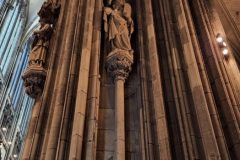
(34, 79)
(118, 66)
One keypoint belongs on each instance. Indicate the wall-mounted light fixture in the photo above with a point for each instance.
(219, 38)
(222, 45)
(225, 51)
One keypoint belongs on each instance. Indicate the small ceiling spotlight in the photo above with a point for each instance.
(222, 44)
(9, 142)
(15, 156)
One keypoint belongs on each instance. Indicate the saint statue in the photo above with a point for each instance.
(118, 25)
(40, 44)
(35, 75)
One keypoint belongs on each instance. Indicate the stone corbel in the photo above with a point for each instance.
(118, 64)
(34, 79)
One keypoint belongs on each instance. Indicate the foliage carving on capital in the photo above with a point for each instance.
(118, 64)
(34, 80)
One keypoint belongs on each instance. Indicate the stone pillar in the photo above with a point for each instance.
(119, 119)
(118, 66)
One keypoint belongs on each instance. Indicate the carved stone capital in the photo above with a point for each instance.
(34, 79)
(118, 64)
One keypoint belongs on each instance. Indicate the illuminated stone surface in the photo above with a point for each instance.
(181, 99)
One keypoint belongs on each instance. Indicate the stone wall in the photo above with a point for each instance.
(234, 8)
(181, 97)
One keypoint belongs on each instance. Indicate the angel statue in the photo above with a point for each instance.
(118, 25)
(40, 44)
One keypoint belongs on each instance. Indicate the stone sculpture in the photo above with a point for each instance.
(118, 25)
(40, 44)
(35, 74)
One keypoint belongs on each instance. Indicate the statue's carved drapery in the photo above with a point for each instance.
(40, 45)
(118, 25)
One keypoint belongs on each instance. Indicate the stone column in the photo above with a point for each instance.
(119, 119)
(118, 66)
